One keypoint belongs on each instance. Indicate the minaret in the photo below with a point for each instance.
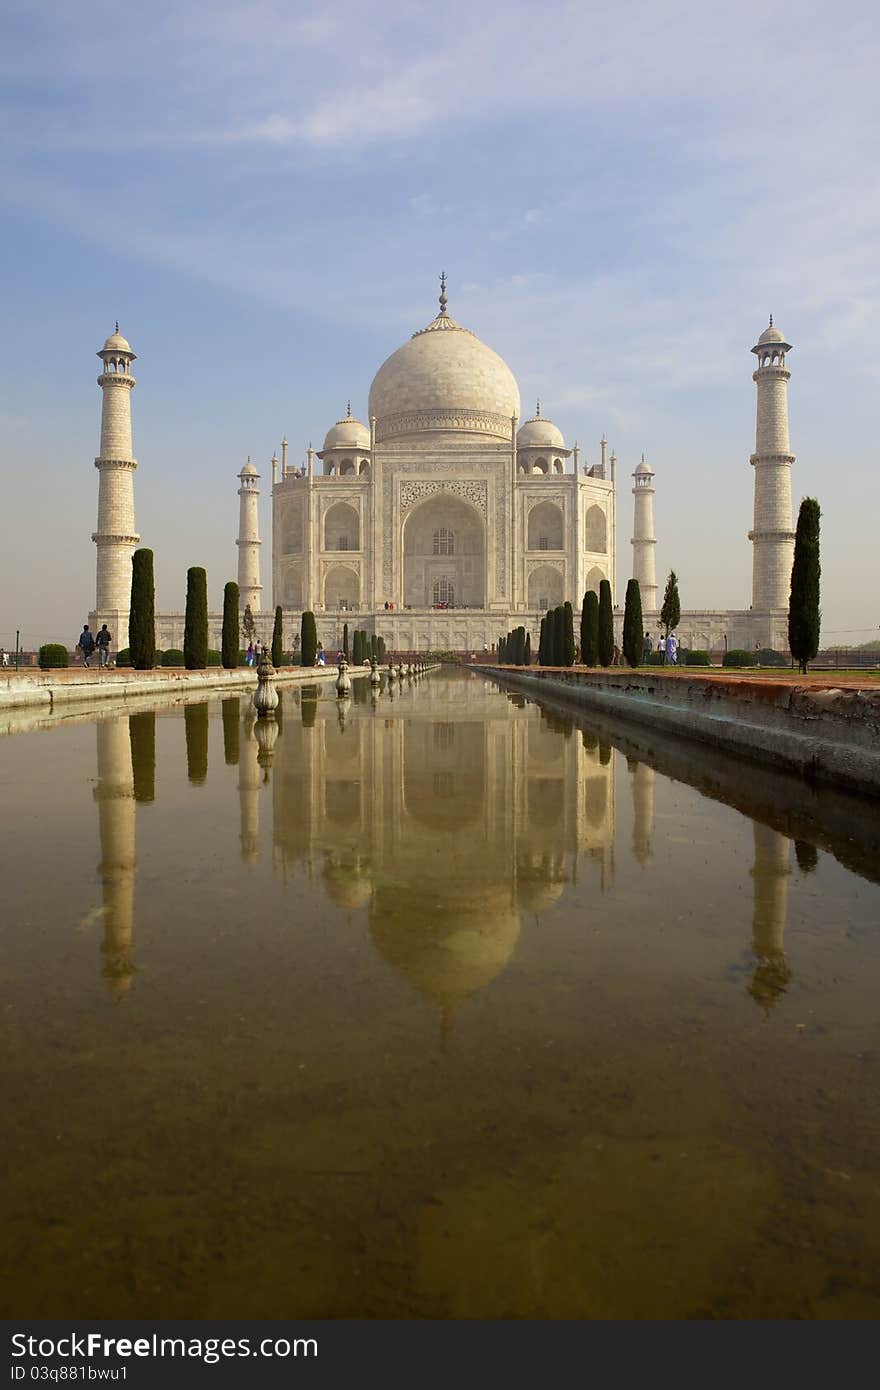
(643, 541)
(115, 536)
(772, 536)
(248, 542)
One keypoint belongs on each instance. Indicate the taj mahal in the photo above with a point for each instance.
(444, 521)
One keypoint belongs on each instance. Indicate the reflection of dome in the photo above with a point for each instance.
(536, 895)
(347, 434)
(444, 378)
(450, 947)
(539, 434)
(347, 885)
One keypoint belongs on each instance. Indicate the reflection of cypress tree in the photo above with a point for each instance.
(279, 710)
(195, 719)
(142, 736)
(604, 753)
(360, 692)
(231, 712)
(590, 741)
(308, 706)
(807, 856)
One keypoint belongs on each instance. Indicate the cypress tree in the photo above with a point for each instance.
(142, 615)
(568, 634)
(357, 647)
(590, 629)
(632, 624)
(278, 638)
(550, 637)
(229, 638)
(541, 639)
(308, 639)
(559, 635)
(195, 625)
(804, 617)
(527, 656)
(374, 647)
(345, 648)
(670, 613)
(501, 656)
(380, 648)
(606, 624)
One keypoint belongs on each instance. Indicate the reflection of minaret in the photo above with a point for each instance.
(770, 875)
(249, 778)
(643, 811)
(116, 821)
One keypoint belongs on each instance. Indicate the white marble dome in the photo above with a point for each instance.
(539, 433)
(444, 379)
(347, 434)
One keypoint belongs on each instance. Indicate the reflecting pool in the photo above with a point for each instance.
(435, 1004)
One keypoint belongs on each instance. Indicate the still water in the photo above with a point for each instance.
(451, 1005)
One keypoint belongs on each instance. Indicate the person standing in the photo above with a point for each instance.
(672, 649)
(249, 658)
(86, 645)
(661, 649)
(647, 646)
(102, 642)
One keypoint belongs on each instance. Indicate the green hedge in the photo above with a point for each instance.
(696, 658)
(213, 658)
(52, 656)
(766, 657)
(172, 657)
(737, 657)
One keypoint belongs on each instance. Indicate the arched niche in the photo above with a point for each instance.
(460, 560)
(292, 588)
(546, 527)
(292, 532)
(545, 587)
(594, 579)
(341, 588)
(596, 531)
(342, 528)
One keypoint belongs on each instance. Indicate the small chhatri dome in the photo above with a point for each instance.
(771, 337)
(249, 471)
(539, 433)
(347, 433)
(444, 380)
(116, 343)
(642, 468)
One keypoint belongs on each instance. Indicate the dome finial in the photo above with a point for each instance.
(538, 408)
(443, 294)
(771, 320)
(117, 325)
(348, 411)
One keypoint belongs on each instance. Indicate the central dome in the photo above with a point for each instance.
(444, 379)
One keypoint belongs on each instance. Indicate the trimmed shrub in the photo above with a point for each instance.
(346, 651)
(737, 657)
(655, 659)
(213, 658)
(696, 658)
(277, 639)
(195, 626)
(174, 657)
(123, 658)
(633, 632)
(229, 652)
(590, 629)
(568, 645)
(767, 657)
(606, 624)
(142, 615)
(527, 655)
(308, 639)
(53, 656)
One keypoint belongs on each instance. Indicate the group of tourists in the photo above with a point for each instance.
(90, 642)
(667, 648)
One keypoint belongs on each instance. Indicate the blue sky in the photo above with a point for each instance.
(263, 195)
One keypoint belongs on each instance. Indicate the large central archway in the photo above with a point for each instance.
(444, 554)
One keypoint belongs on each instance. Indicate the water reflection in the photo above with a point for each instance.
(196, 728)
(142, 735)
(770, 875)
(231, 715)
(115, 795)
